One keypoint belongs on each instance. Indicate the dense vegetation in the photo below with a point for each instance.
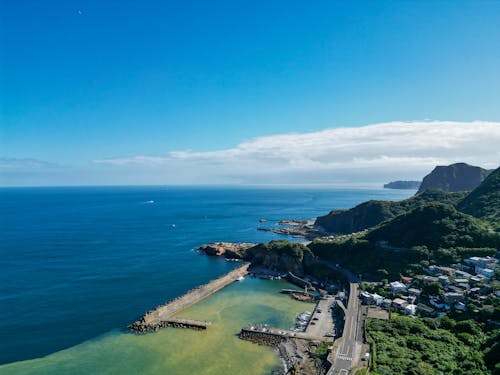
(403, 345)
(484, 201)
(435, 225)
(454, 177)
(293, 249)
(281, 256)
(372, 213)
(431, 234)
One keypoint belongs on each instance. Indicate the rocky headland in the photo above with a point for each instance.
(454, 177)
(295, 228)
(276, 256)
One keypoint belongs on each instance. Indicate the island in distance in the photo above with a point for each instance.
(404, 185)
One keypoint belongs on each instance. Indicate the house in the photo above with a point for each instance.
(430, 279)
(399, 304)
(371, 299)
(410, 299)
(443, 280)
(437, 270)
(461, 281)
(425, 310)
(407, 280)
(477, 279)
(475, 291)
(397, 287)
(386, 303)
(460, 306)
(455, 289)
(463, 274)
(481, 262)
(438, 304)
(410, 309)
(377, 299)
(365, 298)
(451, 297)
(487, 272)
(414, 292)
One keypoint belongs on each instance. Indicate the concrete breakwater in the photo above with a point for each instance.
(262, 337)
(161, 317)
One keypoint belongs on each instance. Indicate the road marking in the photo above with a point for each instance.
(344, 357)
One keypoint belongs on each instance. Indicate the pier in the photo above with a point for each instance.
(161, 317)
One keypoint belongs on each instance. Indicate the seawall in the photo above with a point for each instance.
(162, 315)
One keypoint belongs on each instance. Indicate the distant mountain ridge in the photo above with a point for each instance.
(405, 185)
(454, 177)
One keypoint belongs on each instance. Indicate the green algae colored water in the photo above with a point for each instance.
(217, 350)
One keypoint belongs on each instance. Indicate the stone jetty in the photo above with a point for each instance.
(161, 317)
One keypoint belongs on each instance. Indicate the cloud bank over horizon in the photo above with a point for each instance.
(365, 155)
(371, 153)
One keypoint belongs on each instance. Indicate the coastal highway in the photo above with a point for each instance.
(349, 350)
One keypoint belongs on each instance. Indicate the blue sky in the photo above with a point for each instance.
(85, 82)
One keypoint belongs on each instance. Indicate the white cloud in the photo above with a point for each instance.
(375, 152)
(14, 164)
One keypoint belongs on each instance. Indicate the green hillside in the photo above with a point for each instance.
(484, 201)
(435, 225)
(372, 213)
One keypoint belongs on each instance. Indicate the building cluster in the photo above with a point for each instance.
(455, 286)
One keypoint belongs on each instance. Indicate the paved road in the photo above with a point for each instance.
(349, 350)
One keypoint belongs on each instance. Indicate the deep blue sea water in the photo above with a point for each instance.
(79, 262)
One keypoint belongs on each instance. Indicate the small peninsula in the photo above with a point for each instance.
(403, 185)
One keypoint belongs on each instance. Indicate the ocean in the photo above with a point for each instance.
(78, 264)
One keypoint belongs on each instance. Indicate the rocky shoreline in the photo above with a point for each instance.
(295, 228)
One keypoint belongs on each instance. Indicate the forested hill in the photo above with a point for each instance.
(484, 201)
(372, 213)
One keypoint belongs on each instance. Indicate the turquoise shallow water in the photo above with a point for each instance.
(179, 351)
(81, 263)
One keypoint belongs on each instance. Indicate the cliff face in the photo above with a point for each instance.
(279, 256)
(276, 255)
(454, 177)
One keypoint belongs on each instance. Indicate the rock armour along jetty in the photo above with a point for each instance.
(161, 317)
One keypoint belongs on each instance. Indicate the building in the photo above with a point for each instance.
(414, 292)
(430, 279)
(483, 262)
(399, 304)
(438, 270)
(386, 303)
(425, 310)
(443, 280)
(397, 287)
(410, 309)
(451, 298)
(487, 272)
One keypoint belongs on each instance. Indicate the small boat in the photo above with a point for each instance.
(241, 278)
(173, 225)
